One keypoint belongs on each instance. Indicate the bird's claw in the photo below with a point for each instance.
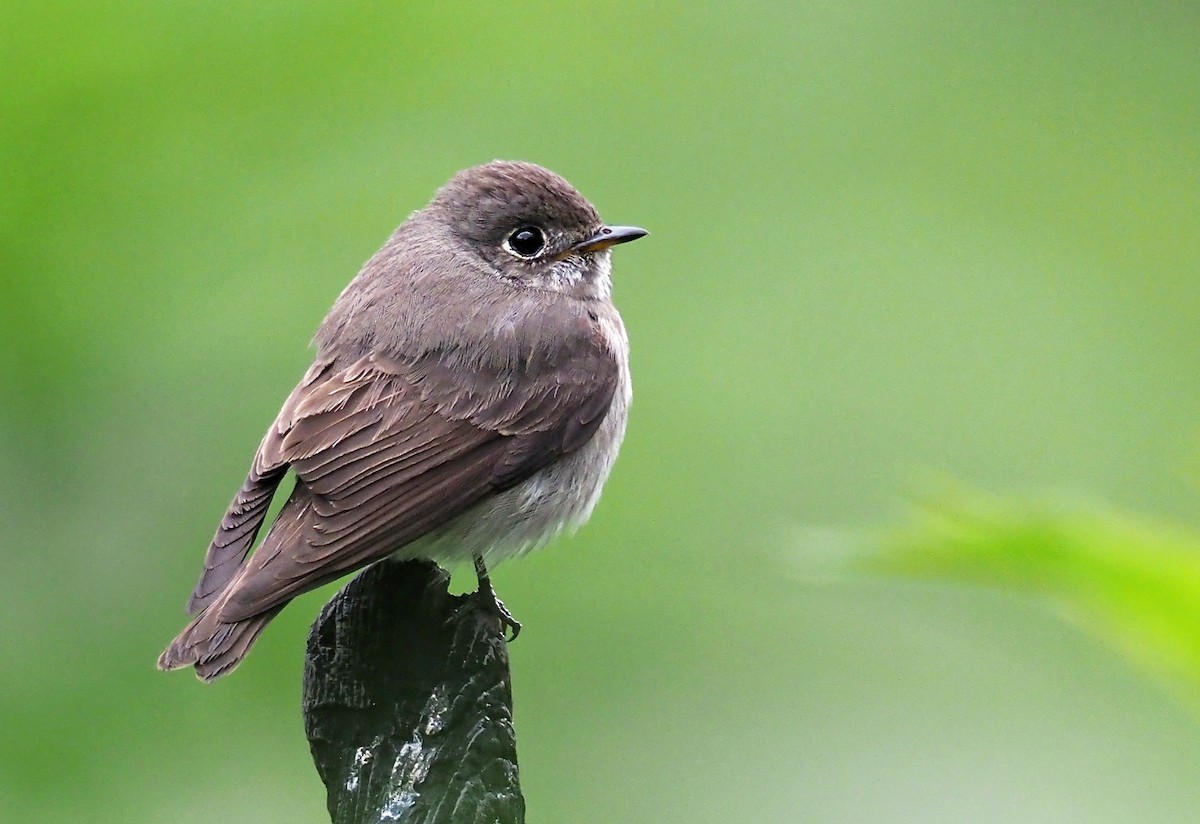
(491, 604)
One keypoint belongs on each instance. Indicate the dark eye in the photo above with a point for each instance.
(527, 241)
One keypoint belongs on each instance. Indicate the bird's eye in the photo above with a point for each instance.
(526, 241)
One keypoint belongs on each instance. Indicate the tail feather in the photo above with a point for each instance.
(218, 638)
(212, 646)
(236, 534)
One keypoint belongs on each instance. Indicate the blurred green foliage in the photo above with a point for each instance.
(886, 238)
(1136, 585)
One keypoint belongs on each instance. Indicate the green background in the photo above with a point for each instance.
(887, 239)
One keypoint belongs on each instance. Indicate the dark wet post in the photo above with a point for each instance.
(408, 703)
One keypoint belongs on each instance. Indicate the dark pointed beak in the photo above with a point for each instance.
(609, 236)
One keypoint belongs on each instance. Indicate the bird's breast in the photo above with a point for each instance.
(559, 497)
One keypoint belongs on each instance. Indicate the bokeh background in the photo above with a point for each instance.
(889, 239)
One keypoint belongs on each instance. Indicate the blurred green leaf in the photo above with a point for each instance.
(1133, 583)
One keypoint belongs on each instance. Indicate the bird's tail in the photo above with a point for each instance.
(214, 647)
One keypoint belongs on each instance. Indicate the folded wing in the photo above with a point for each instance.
(385, 450)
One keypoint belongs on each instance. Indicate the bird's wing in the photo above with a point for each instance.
(385, 450)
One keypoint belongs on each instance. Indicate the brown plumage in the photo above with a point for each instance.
(466, 401)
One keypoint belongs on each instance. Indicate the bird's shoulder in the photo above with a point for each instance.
(553, 371)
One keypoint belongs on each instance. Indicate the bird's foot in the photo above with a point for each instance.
(485, 600)
(489, 603)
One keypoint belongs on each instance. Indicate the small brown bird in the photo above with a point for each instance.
(467, 401)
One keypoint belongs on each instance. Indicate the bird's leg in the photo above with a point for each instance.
(492, 603)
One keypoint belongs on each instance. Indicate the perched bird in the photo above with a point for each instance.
(467, 401)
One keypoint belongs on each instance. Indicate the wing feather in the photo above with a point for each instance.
(386, 450)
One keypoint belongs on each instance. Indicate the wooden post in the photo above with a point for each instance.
(408, 703)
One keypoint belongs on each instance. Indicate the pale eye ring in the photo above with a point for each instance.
(526, 241)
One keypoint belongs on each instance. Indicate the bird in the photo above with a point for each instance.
(466, 403)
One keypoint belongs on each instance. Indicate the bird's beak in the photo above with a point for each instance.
(609, 236)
